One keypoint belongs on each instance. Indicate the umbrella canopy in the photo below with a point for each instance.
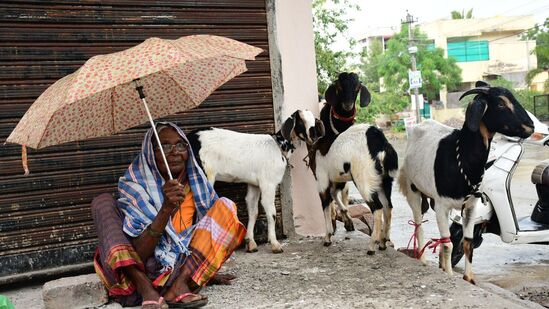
(100, 98)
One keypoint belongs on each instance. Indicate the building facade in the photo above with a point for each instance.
(484, 49)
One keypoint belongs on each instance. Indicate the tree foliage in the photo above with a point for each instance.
(436, 71)
(368, 67)
(462, 14)
(382, 103)
(540, 33)
(330, 21)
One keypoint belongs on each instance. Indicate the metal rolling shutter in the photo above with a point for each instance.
(45, 219)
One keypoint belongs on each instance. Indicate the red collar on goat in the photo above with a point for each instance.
(345, 119)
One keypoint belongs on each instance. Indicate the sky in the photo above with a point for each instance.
(379, 16)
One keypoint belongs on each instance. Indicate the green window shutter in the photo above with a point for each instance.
(468, 51)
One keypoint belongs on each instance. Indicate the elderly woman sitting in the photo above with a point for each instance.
(163, 239)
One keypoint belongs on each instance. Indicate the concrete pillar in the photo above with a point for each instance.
(293, 72)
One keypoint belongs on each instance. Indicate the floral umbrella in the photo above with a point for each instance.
(105, 95)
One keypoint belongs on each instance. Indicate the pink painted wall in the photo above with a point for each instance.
(294, 32)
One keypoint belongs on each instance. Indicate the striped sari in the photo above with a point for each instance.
(201, 248)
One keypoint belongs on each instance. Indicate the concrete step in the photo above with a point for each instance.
(85, 291)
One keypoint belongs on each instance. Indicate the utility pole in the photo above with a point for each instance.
(412, 49)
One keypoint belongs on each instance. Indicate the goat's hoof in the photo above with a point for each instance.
(251, 250)
(251, 246)
(327, 243)
(389, 243)
(371, 252)
(382, 246)
(470, 280)
(349, 226)
(277, 248)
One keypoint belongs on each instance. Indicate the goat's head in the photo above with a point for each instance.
(498, 110)
(344, 90)
(303, 125)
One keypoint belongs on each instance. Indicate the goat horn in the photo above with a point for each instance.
(478, 90)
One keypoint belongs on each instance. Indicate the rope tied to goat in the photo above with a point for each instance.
(433, 243)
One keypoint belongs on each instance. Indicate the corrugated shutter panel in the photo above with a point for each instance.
(45, 220)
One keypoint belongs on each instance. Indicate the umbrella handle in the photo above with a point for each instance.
(139, 89)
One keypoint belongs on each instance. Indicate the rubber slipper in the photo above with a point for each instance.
(159, 303)
(176, 303)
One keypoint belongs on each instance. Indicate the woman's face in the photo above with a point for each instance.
(176, 150)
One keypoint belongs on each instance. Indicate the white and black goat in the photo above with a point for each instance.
(372, 174)
(259, 160)
(363, 155)
(338, 114)
(447, 165)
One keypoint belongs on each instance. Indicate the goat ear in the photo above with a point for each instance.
(474, 114)
(319, 127)
(481, 83)
(287, 127)
(365, 96)
(330, 95)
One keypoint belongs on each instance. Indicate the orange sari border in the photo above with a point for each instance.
(123, 287)
(124, 255)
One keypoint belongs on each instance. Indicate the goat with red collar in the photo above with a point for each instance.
(339, 111)
(334, 166)
(337, 115)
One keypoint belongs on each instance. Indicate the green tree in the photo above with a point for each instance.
(540, 33)
(436, 71)
(330, 21)
(462, 15)
(388, 102)
(382, 103)
(369, 64)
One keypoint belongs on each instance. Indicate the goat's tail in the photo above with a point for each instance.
(403, 182)
(389, 159)
(382, 151)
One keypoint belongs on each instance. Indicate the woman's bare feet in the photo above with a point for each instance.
(151, 297)
(222, 279)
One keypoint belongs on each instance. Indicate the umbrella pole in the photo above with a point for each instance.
(142, 96)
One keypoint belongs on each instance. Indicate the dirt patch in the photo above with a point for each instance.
(529, 282)
(454, 123)
(537, 295)
(309, 275)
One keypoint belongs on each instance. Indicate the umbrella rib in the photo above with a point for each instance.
(180, 88)
(45, 129)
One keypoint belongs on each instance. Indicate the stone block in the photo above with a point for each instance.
(83, 291)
